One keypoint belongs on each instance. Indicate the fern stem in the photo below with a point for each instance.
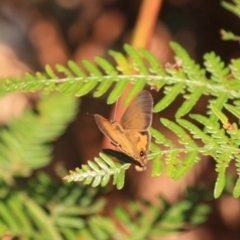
(214, 88)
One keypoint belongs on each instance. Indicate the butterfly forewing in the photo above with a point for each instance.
(138, 115)
(107, 128)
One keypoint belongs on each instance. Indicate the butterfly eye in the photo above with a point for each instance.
(142, 154)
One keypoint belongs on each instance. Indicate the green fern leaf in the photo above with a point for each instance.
(222, 117)
(76, 69)
(123, 65)
(190, 68)
(220, 183)
(106, 83)
(139, 66)
(24, 145)
(158, 137)
(219, 103)
(235, 9)
(236, 190)
(223, 152)
(107, 159)
(71, 84)
(6, 216)
(92, 68)
(32, 84)
(41, 219)
(235, 69)
(234, 110)
(95, 173)
(170, 96)
(228, 35)
(136, 88)
(105, 180)
(157, 166)
(189, 161)
(219, 73)
(62, 69)
(117, 91)
(197, 87)
(216, 67)
(18, 214)
(138, 63)
(89, 85)
(210, 144)
(191, 101)
(190, 149)
(155, 68)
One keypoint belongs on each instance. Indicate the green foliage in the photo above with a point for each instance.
(235, 9)
(45, 209)
(24, 142)
(98, 172)
(34, 206)
(170, 219)
(185, 78)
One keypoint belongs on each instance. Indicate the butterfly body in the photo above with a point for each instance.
(131, 134)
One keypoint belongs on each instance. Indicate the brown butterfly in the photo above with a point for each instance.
(131, 134)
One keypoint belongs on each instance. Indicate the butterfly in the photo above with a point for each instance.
(131, 135)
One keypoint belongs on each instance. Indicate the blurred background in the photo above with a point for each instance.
(40, 32)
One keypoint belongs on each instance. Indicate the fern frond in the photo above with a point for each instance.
(193, 72)
(24, 144)
(236, 190)
(235, 69)
(157, 167)
(224, 148)
(223, 154)
(214, 65)
(171, 92)
(101, 75)
(190, 148)
(155, 68)
(219, 73)
(44, 209)
(51, 210)
(172, 155)
(210, 144)
(17, 216)
(106, 83)
(234, 8)
(141, 68)
(220, 143)
(171, 219)
(99, 171)
(228, 35)
(138, 66)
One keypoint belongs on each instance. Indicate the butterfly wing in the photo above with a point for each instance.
(107, 128)
(125, 140)
(138, 115)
